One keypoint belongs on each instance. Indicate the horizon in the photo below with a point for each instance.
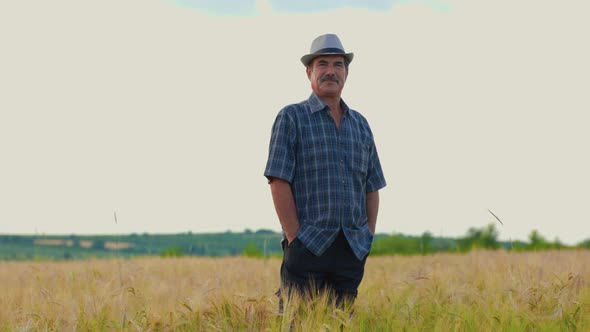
(254, 231)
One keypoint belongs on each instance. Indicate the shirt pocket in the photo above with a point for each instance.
(360, 157)
(315, 153)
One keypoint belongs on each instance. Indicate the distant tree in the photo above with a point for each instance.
(486, 237)
(172, 251)
(98, 243)
(537, 241)
(426, 243)
(251, 250)
(203, 249)
(584, 244)
(265, 231)
(489, 237)
(396, 244)
(557, 244)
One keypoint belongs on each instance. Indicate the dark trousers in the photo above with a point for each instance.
(337, 271)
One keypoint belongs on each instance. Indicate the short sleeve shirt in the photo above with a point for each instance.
(330, 171)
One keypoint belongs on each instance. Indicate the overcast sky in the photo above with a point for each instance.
(162, 111)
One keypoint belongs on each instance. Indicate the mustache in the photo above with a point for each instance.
(332, 78)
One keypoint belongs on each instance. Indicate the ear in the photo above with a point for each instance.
(308, 71)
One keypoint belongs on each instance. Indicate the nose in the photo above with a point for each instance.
(330, 69)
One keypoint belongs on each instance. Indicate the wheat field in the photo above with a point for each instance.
(477, 291)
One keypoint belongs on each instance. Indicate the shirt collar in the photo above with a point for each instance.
(317, 104)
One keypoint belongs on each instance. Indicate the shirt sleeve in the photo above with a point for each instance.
(281, 154)
(375, 178)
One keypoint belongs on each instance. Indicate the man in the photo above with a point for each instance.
(324, 175)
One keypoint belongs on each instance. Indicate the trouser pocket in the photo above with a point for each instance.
(293, 252)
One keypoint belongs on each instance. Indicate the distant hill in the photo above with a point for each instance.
(261, 243)
(41, 247)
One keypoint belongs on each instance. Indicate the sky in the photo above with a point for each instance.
(160, 111)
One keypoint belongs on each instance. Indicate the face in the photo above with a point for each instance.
(327, 74)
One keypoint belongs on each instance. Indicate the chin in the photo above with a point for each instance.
(331, 91)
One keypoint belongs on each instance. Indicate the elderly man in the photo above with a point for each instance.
(324, 174)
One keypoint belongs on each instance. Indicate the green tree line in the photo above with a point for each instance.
(261, 243)
(476, 238)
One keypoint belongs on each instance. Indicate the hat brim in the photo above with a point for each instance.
(306, 59)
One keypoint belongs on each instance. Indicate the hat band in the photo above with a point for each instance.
(329, 50)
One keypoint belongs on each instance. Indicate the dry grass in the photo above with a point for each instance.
(118, 245)
(479, 291)
(53, 242)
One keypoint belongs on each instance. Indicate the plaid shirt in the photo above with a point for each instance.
(330, 171)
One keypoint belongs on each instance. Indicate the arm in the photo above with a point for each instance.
(282, 197)
(372, 210)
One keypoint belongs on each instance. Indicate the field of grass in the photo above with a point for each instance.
(477, 291)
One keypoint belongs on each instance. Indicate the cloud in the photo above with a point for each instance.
(222, 7)
(254, 7)
(314, 6)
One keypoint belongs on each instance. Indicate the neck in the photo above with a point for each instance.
(336, 111)
(333, 103)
